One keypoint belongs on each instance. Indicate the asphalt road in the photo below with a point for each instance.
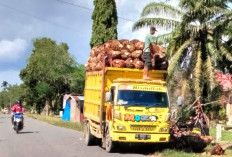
(39, 139)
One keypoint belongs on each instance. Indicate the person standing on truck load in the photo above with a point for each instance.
(147, 53)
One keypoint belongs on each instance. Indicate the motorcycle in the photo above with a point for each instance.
(18, 121)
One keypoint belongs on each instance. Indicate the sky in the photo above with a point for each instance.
(66, 21)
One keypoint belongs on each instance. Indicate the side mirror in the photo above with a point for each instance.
(108, 97)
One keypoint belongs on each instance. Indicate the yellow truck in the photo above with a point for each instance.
(120, 107)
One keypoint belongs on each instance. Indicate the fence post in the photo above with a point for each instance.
(218, 132)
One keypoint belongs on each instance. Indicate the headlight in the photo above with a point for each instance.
(163, 129)
(121, 127)
(18, 120)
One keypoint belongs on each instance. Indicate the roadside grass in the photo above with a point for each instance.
(181, 153)
(57, 121)
(177, 153)
(226, 135)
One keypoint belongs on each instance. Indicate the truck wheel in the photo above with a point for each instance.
(109, 142)
(89, 138)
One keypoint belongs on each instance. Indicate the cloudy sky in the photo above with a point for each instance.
(61, 20)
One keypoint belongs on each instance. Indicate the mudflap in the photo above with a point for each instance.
(103, 143)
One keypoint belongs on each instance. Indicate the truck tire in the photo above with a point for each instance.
(89, 138)
(109, 142)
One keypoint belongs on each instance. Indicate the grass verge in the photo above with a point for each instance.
(226, 135)
(57, 122)
(182, 153)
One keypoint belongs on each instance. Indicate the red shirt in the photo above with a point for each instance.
(17, 108)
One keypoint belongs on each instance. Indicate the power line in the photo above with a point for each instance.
(39, 18)
(75, 5)
(86, 8)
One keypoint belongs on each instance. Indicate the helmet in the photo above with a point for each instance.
(18, 101)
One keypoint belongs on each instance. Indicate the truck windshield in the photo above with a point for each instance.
(142, 98)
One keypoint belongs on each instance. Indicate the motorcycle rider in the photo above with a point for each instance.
(17, 107)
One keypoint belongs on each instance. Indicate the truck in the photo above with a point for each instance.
(120, 107)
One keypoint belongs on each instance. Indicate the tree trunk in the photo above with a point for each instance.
(47, 107)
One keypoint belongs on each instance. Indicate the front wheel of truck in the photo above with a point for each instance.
(89, 138)
(109, 142)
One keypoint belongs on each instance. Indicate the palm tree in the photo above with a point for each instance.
(163, 16)
(223, 32)
(196, 29)
(4, 85)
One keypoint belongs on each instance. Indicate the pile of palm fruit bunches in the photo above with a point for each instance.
(125, 54)
(193, 133)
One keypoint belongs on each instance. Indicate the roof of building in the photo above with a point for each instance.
(74, 97)
(77, 97)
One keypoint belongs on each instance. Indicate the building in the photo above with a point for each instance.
(73, 108)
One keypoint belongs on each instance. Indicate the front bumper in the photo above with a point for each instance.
(133, 137)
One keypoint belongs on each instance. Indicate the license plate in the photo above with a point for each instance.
(142, 136)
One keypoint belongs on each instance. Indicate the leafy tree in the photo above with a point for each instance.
(4, 99)
(104, 22)
(78, 83)
(49, 74)
(193, 25)
(11, 94)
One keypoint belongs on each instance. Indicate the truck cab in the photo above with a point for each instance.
(140, 111)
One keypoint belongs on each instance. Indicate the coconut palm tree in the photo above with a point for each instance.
(163, 16)
(196, 28)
